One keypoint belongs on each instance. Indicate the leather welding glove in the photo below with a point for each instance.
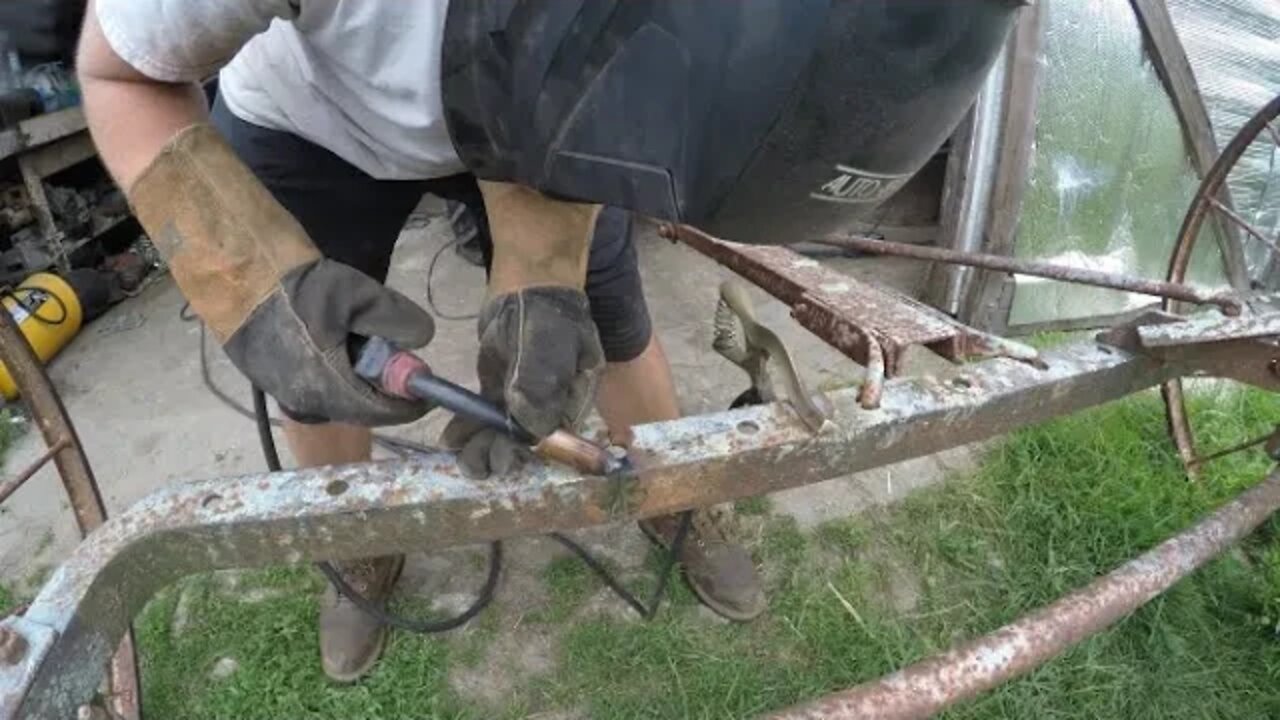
(283, 313)
(539, 351)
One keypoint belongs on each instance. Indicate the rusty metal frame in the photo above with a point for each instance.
(67, 454)
(52, 656)
(352, 511)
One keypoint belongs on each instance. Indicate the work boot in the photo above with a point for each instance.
(350, 640)
(720, 572)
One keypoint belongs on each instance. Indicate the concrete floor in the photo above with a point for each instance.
(131, 382)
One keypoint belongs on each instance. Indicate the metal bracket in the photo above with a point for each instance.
(743, 341)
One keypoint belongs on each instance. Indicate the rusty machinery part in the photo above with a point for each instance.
(359, 510)
(63, 448)
(1204, 205)
(1228, 302)
(930, 686)
(743, 341)
(865, 322)
(872, 325)
(373, 362)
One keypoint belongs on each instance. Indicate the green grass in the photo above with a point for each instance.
(9, 431)
(274, 642)
(568, 582)
(1051, 508)
(753, 506)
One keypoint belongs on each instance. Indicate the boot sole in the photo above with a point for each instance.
(376, 655)
(719, 608)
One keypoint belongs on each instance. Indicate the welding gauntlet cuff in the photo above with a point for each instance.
(283, 313)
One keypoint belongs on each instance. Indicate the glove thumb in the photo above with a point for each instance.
(379, 311)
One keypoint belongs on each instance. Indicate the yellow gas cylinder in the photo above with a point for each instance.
(48, 314)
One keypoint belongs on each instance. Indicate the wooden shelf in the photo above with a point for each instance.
(41, 130)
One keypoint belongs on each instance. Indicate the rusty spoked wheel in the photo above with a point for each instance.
(48, 415)
(1212, 202)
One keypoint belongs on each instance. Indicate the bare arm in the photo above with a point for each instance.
(140, 61)
(130, 115)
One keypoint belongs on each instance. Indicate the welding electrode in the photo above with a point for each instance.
(397, 372)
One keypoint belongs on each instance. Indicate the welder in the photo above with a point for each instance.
(278, 209)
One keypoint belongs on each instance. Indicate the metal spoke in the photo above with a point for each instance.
(1246, 445)
(1244, 224)
(11, 486)
(1274, 132)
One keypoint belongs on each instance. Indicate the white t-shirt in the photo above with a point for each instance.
(358, 77)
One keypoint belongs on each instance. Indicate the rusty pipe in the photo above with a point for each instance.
(1229, 304)
(934, 684)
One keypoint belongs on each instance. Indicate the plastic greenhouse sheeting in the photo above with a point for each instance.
(1110, 180)
(1234, 49)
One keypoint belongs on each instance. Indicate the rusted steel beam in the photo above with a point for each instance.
(932, 685)
(1235, 348)
(1228, 302)
(77, 479)
(835, 307)
(1201, 330)
(359, 510)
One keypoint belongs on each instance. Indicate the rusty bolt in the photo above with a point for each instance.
(13, 647)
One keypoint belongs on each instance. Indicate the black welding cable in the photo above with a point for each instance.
(394, 444)
(431, 272)
(374, 610)
(265, 438)
(32, 312)
(649, 611)
(646, 611)
(264, 423)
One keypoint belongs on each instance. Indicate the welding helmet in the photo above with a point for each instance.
(758, 120)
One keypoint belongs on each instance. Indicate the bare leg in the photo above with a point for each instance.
(350, 640)
(328, 444)
(636, 392)
(720, 571)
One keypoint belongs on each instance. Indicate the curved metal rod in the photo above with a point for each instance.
(932, 685)
(81, 486)
(1180, 429)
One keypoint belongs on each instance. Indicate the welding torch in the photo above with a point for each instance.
(403, 374)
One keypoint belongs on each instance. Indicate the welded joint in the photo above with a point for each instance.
(979, 345)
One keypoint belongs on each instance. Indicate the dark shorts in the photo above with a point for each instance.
(355, 219)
